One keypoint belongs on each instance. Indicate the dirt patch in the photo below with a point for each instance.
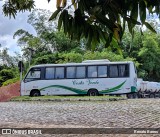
(7, 92)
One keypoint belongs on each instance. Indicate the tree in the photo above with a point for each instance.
(6, 58)
(96, 20)
(103, 20)
(149, 55)
(47, 41)
(11, 7)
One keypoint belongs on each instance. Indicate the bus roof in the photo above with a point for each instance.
(81, 64)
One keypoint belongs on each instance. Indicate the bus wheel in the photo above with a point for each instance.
(92, 92)
(159, 94)
(135, 95)
(152, 95)
(35, 93)
(129, 96)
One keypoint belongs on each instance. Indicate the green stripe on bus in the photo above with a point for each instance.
(79, 91)
(113, 89)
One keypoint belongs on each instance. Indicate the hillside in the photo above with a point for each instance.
(7, 92)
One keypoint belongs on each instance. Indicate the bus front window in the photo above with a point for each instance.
(33, 74)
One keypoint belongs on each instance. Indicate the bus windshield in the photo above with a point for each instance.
(33, 74)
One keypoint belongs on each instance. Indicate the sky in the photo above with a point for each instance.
(9, 26)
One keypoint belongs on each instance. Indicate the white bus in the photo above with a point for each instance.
(92, 78)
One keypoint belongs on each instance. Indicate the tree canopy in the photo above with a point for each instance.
(11, 7)
(96, 20)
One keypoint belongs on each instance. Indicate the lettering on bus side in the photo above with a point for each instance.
(88, 82)
(92, 82)
(76, 82)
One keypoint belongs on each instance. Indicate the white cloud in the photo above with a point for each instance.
(45, 5)
(7, 41)
(9, 26)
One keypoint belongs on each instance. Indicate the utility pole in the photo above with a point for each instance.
(21, 68)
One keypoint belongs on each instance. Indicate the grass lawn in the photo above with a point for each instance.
(66, 98)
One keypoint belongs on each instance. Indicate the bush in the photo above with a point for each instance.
(10, 81)
(51, 58)
(69, 57)
(6, 74)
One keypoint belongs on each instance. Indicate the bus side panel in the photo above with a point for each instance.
(79, 86)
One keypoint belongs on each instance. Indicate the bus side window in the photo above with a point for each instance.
(92, 71)
(59, 73)
(49, 73)
(81, 72)
(102, 71)
(123, 70)
(113, 71)
(70, 72)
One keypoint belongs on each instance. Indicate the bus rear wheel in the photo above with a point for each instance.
(35, 93)
(132, 95)
(92, 92)
(152, 95)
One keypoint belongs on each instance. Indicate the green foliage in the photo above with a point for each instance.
(6, 74)
(11, 7)
(50, 58)
(103, 20)
(105, 54)
(149, 54)
(90, 25)
(10, 81)
(145, 50)
(70, 57)
(64, 44)
(96, 20)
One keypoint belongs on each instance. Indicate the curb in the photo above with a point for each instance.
(70, 99)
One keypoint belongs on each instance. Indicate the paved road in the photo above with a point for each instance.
(138, 113)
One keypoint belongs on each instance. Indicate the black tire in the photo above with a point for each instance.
(92, 92)
(151, 95)
(159, 94)
(139, 95)
(135, 95)
(35, 93)
(132, 95)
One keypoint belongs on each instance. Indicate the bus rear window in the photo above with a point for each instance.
(123, 70)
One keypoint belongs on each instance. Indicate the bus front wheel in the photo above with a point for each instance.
(35, 93)
(92, 92)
